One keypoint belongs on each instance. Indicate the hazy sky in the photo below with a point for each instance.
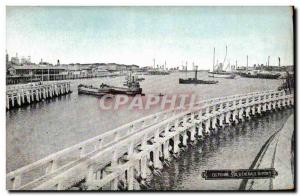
(136, 35)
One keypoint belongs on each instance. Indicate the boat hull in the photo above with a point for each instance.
(193, 81)
(260, 76)
(227, 76)
(90, 90)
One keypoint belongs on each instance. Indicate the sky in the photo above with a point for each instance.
(137, 35)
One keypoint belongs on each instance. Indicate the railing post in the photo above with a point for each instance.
(221, 119)
(214, 122)
(184, 138)
(130, 178)
(166, 152)
(143, 166)
(156, 162)
(193, 133)
(207, 126)
(200, 129)
(176, 142)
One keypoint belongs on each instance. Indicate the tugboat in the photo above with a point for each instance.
(195, 80)
(133, 88)
(132, 79)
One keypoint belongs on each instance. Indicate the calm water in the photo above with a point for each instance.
(40, 129)
(233, 148)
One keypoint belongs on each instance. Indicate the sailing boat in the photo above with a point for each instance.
(219, 72)
(195, 79)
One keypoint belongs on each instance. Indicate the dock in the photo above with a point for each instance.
(19, 95)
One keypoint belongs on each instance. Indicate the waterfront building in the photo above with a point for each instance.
(31, 73)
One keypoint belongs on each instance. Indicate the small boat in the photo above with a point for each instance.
(105, 89)
(195, 80)
(226, 75)
(133, 88)
(218, 71)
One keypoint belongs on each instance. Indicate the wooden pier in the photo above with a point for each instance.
(18, 95)
(121, 159)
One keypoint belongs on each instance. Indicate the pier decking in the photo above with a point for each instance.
(122, 158)
(18, 95)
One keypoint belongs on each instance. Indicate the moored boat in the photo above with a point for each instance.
(261, 75)
(133, 88)
(195, 80)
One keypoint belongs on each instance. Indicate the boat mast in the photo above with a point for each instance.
(214, 60)
(247, 64)
(225, 55)
(196, 67)
(186, 69)
(235, 64)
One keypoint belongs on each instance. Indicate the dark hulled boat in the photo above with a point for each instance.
(261, 75)
(195, 80)
(133, 88)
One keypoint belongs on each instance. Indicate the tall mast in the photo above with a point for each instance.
(235, 64)
(268, 61)
(154, 63)
(225, 55)
(196, 67)
(214, 60)
(247, 63)
(186, 69)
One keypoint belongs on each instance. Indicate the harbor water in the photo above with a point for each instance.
(39, 129)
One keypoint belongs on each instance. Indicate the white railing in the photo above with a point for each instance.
(89, 150)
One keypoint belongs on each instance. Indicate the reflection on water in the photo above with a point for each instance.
(37, 130)
(230, 148)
